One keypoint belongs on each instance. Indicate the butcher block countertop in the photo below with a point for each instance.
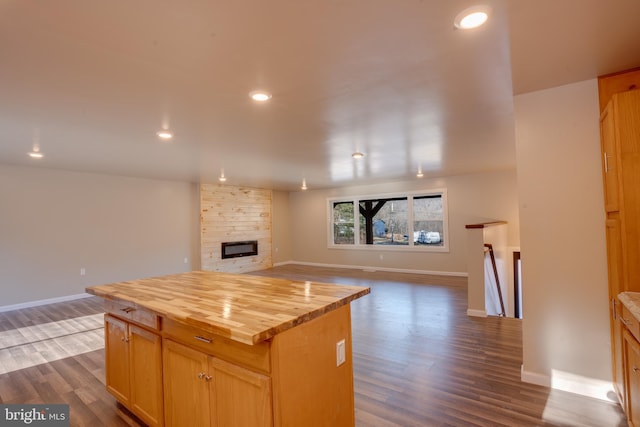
(244, 308)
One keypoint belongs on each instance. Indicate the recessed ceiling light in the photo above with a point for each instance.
(472, 17)
(304, 184)
(164, 134)
(36, 154)
(357, 155)
(260, 95)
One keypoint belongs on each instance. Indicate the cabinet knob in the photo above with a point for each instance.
(124, 339)
(636, 369)
(203, 376)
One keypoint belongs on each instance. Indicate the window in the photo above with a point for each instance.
(416, 221)
(384, 221)
(343, 225)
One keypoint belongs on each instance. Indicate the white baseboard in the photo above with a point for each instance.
(534, 378)
(476, 313)
(42, 302)
(375, 268)
(278, 264)
(572, 383)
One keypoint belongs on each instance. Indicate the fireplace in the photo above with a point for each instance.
(239, 249)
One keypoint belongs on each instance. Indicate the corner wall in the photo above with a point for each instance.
(566, 341)
(280, 228)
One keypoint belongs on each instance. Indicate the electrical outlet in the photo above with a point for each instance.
(341, 354)
(381, 256)
(83, 271)
(186, 260)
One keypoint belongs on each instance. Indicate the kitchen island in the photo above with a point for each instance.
(219, 349)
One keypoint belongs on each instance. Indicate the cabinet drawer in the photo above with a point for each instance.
(133, 313)
(630, 322)
(251, 356)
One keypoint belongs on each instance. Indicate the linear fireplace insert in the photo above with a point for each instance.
(239, 249)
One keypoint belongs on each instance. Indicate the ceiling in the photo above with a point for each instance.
(92, 82)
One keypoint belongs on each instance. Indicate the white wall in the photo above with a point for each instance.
(472, 199)
(562, 229)
(280, 229)
(53, 223)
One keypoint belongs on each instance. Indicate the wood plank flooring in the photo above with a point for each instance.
(419, 360)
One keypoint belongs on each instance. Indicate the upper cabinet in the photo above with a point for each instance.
(610, 84)
(620, 142)
(620, 137)
(609, 158)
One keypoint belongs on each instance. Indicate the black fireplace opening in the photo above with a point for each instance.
(239, 249)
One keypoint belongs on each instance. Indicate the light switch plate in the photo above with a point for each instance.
(341, 355)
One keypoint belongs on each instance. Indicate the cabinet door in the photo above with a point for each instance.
(186, 388)
(614, 258)
(116, 351)
(609, 158)
(239, 397)
(632, 364)
(145, 361)
(628, 139)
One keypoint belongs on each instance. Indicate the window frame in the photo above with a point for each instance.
(410, 195)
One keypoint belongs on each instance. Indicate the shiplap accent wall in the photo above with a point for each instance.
(229, 214)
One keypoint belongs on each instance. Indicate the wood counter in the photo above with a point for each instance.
(244, 308)
(210, 348)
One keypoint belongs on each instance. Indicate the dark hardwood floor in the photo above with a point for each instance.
(419, 360)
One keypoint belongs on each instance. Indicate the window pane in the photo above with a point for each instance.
(428, 221)
(343, 231)
(384, 221)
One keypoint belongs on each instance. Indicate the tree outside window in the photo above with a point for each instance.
(384, 221)
(343, 225)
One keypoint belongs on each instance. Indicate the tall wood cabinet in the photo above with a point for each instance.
(620, 144)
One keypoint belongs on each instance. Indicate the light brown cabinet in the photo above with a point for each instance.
(201, 390)
(218, 349)
(620, 136)
(289, 380)
(632, 364)
(133, 359)
(620, 145)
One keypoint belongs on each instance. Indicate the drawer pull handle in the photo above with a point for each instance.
(128, 309)
(203, 339)
(636, 369)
